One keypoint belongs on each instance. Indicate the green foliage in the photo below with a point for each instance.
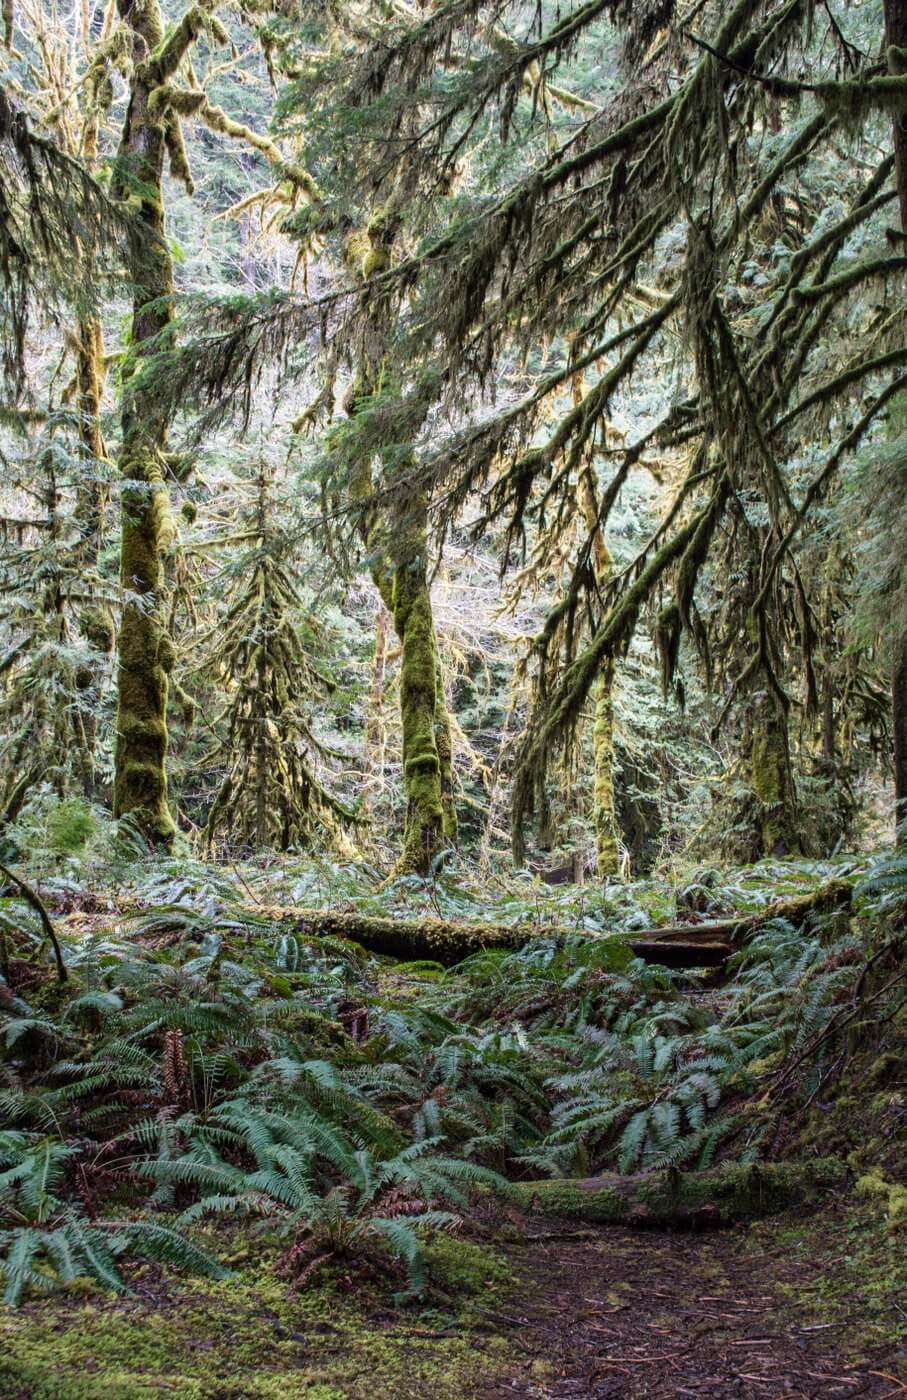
(70, 826)
(204, 1062)
(47, 1243)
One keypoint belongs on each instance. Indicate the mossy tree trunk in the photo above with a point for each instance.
(603, 798)
(90, 506)
(90, 378)
(145, 654)
(899, 705)
(375, 733)
(896, 36)
(771, 777)
(604, 805)
(444, 741)
(397, 542)
(423, 711)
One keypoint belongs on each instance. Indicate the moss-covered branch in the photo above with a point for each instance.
(715, 1197)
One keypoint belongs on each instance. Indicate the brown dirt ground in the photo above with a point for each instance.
(616, 1314)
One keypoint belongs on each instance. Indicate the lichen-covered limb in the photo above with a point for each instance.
(670, 1197)
(171, 49)
(218, 120)
(693, 945)
(844, 282)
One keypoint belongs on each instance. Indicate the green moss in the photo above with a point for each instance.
(843, 1256)
(145, 655)
(732, 1192)
(462, 1267)
(604, 807)
(249, 1338)
(418, 703)
(772, 779)
(892, 1194)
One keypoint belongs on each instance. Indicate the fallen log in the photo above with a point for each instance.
(714, 1197)
(445, 942)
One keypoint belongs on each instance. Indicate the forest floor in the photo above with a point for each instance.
(797, 1306)
(806, 1304)
(792, 1307)
(759, 1311)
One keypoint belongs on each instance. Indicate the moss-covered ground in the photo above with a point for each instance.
(815, 1299)
(252, 1337)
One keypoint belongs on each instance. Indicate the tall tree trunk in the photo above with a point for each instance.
(145, 649)
(96, 622)
(899, 703)
(604, 805)
(896, 34)
(397, 542)
(419, 678)
(444, 743)
(604, 801)
(375, 733)
(772, 777)
(90, 376)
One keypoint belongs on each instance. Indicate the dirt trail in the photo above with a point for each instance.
(620, 1313)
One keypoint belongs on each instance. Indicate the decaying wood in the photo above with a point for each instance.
(670, 1197)
(683, 945)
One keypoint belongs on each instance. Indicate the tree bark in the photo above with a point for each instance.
(899, 708)
(96, 623)
(397, 541)
(419, 682)
(896, 34)
(145, 655)
(604, 805)
(772, 778)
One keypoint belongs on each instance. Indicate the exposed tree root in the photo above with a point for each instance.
(684, 945)
(671, 1197)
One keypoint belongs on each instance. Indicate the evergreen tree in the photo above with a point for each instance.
(271, 794)
(698, 161)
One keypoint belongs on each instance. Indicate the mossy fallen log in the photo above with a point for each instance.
(446, 942)
(718, 1196)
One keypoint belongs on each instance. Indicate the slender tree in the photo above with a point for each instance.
(271, 793)
(394, 529)
(896, 42)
